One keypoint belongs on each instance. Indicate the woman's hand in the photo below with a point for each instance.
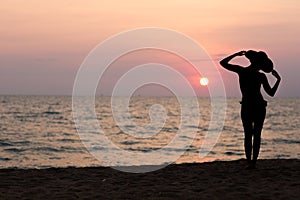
(275, 73)
(241, 53)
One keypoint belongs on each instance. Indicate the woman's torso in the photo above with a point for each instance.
(250, 84)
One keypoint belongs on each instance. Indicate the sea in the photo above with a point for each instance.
(40, 132)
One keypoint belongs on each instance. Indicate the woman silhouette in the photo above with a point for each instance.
(253, 109)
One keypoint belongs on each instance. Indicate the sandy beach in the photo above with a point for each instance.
(273, 179)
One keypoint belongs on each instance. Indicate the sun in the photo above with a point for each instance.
(204, 81)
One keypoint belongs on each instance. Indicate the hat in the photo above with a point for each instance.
(260, 59)
(267, 66)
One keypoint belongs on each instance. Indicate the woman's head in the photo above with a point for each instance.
(260, 59)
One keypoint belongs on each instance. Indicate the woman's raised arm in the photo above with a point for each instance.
(225, 62)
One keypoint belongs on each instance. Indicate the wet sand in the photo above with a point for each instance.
(273, 179)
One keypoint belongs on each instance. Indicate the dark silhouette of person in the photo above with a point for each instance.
(253, 105)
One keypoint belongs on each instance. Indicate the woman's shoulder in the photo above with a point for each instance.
(262, 75)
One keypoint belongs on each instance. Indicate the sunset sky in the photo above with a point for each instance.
(43, 43)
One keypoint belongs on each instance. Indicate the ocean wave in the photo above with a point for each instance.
(21, 143)
(5, 159)
(279, 140)
(15, 150)
(51, 113)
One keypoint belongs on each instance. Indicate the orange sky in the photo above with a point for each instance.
(44, 42)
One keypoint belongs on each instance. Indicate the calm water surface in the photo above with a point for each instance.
(39, 131)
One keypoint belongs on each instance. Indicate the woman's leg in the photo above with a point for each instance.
(258, 125)
(248, 140)
(248, 132)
